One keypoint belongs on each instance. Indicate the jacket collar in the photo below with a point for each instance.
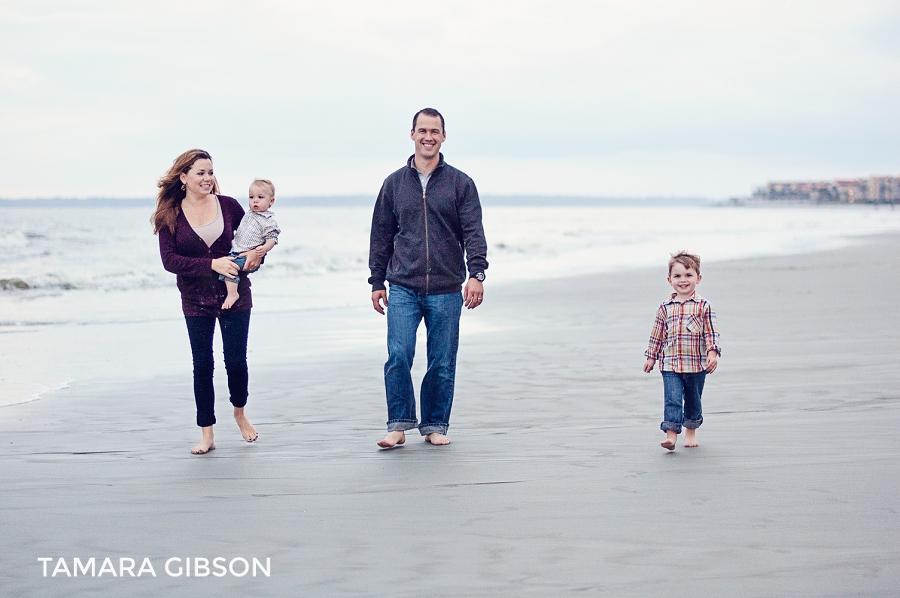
(411, 163)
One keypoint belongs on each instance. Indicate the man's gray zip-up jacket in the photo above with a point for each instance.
(419, 235)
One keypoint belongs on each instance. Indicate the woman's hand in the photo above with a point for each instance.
(225, 265)
(253, 259)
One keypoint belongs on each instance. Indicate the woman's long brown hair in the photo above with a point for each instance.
(171, 194)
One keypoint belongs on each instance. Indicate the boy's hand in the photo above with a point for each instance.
(712, 360)
(648, 365)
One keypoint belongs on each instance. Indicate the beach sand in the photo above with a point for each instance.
(555, 483)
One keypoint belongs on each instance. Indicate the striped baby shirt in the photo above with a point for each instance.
(682, 335)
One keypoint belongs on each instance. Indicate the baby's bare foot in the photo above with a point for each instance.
(247, 429)
(690, 438)
(437, 439)
(229, 300)
(393, 439)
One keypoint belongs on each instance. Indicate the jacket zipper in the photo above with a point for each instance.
(427, 251)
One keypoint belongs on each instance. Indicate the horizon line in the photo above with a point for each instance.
(367, 199)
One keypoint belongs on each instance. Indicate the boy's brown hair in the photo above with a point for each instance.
(688, 260)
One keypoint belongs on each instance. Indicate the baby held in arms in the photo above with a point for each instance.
(257, 231)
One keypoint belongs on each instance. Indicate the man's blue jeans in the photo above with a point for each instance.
(683, 407)
(406, 309)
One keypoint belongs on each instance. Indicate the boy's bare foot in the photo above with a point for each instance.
(206, 444)
(393, 439)
(230, 299)
(247, 429)
(437, 439)
(690, 438)
(669, 442)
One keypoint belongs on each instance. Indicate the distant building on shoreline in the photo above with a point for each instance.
(875, 189)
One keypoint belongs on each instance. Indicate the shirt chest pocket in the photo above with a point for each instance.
(691, 324)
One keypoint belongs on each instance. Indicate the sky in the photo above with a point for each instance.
(616, 98)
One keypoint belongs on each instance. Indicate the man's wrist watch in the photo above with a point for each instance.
(479, 276)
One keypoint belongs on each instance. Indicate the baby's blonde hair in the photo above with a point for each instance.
(266, 184)
(688, 260)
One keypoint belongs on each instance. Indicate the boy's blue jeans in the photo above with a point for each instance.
(682, 393)
(239, 261)
(406, 309)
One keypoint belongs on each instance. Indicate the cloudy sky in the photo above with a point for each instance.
(604, 98)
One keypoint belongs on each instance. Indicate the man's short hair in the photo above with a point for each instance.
(688, 260)
(428, 112)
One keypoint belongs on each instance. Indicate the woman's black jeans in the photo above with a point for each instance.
(235, 327)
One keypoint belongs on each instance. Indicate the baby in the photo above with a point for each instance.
(257, 231)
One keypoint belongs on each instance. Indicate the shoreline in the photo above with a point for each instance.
(54, 356)
(555, 482)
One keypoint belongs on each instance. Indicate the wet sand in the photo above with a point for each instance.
(555, 483)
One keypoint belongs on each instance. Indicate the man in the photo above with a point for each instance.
(426, 216)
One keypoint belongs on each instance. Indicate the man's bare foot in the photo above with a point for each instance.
(690, 438)
(230, 299)
(669, 442)
(393, 439)
(247, 429)
(437, 439)
(206, 444)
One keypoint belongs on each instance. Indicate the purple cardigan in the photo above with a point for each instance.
(187, 255)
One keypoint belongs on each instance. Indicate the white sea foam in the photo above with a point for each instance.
(99, 305)
(102, 264)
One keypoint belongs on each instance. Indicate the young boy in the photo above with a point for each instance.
(257, 231)
(685, 340)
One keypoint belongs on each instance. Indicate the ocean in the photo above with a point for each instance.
(72, 272)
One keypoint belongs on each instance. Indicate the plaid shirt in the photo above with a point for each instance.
(255, 229)
(683, 334)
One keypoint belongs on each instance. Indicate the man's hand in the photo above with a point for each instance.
(712, 360)
(473, 294)
(648, 365)
(377, 298)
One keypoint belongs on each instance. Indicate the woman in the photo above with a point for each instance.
(195, 227)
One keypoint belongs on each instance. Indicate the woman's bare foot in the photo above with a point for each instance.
(393, 439)
(669, 442)
(437, 439)
(206, 444)
(690, 438)
(230, 299)
(247, 429)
